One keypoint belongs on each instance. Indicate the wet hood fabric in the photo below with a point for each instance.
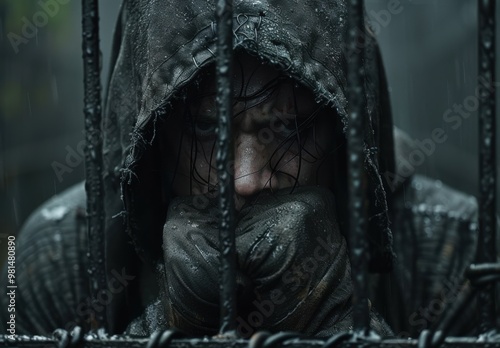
(160, 46)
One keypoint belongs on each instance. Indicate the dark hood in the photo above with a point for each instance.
(160, 46)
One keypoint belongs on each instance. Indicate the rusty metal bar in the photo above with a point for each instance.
(94, 185)
(486, 251)
(225, 162)
(355, 159)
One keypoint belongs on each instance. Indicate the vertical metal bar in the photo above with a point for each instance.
(93, 154)
(486, 251)
(225, 156)
(355, 159)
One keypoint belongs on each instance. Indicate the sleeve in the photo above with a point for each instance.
(435, 241)
(50, 270)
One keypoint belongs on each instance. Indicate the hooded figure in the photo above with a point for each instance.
(161, 219)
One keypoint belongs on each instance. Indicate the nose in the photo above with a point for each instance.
(252, 170)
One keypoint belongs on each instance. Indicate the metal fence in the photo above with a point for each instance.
(483, 274)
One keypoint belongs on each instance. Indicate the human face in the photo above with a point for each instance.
(282, 138)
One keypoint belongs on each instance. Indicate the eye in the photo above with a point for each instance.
(200, 127)
(285, 123)
(205, 129)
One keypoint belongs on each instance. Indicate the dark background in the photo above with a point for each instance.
(429, 49)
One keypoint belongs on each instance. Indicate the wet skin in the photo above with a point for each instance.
(281, 136)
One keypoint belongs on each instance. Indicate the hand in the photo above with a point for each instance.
(293, 268)
(291, 248)
(191, 256)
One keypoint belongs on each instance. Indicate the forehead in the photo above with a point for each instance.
(253, 74)
(254, 83)
(249, 73)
